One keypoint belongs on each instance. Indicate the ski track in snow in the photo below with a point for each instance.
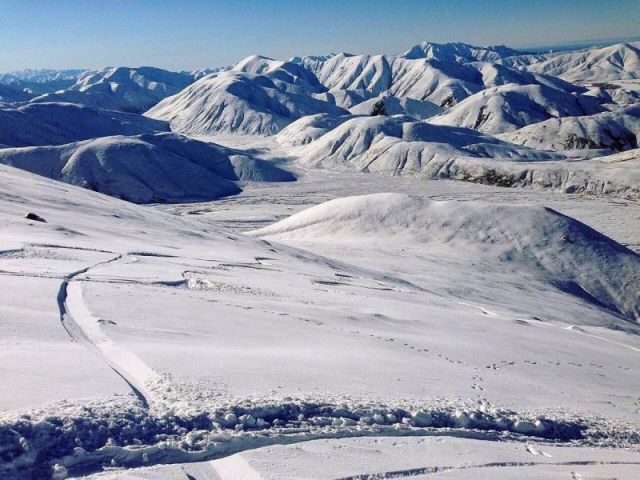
(84, 328)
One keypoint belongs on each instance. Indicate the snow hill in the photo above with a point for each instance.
(394, 145)
(122, 88)
(618, 130)
(509, 107)
(58, 123)
(615, 62)
(146, 168)
(237, 101)
(560, 249)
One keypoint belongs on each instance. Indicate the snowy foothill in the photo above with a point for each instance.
(147, 168)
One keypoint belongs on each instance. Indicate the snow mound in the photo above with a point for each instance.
(419, 109)
(609, 130)
(509, 107)
(58, 123)
(147, 168)
(122, 88)
(241, 102)
(567, 253)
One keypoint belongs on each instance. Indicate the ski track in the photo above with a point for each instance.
(84, 328)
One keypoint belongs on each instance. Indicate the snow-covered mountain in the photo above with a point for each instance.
(459, 52)
(509, 107)
(58, 123)
(146, 168)
(401, 145)
(618, 130)
(122, 88)
(615, 62)
(249, 103)
(40, 81)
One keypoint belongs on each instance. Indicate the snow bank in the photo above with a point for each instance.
(567, 253)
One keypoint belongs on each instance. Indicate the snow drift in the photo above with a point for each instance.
(567, 253)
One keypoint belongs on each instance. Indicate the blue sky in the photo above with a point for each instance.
(183, 34)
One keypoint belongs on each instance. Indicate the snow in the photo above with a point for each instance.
(459, 52)
(398, 106)
(239, 102)
(147, 168)
(59, 123)
(373, 318)
(615, 62)
(313, 331)
(121, 88)
(608, 130)
(509, 107)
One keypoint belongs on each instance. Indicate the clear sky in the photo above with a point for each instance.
(189, 34)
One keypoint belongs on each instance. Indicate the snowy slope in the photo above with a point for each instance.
(509, 107)
(560, 249)
(609, 130)
(310, 128)
(395, 145)
(233, 343)
(121, 88)
(148, 168)
(58, 123)
(398, 106)
(240, 102)
(615, 62)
